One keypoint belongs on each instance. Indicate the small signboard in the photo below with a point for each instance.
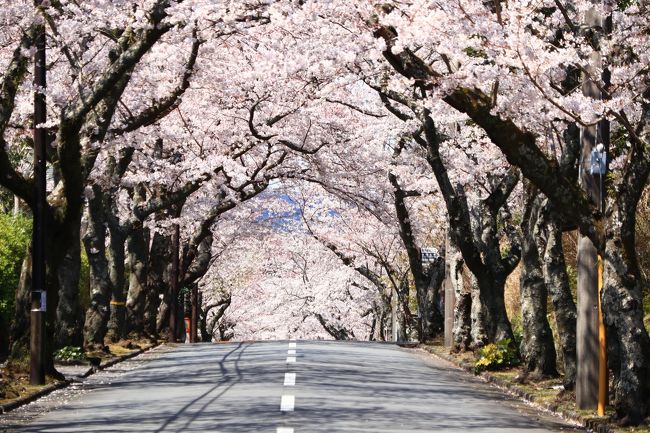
(429, 255)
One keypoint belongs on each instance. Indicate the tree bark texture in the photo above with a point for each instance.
(69, 317)
(622, 300)
(478, 331)
(428, 305)
(157, 309)
(453, 285)
(564, 308)
(101, 287)
(117, 319)
(137, 249)
(462, 314)
(537, 346)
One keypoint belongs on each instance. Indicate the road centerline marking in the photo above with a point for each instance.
(284, 430)
(291, 352)
(287, 403)
(292, 345)
(291, 359)
(289, 379)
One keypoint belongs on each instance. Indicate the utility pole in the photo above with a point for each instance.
(394, 316)
(450, 294)
(591, 346)
(39, 298)
(194, 316)
(173, 301)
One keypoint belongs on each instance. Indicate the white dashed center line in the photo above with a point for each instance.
(287, 403)
(289, 379)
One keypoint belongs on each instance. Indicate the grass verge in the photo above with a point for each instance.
(547, 393)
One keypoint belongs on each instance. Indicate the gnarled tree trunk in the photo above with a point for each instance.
(537, 346)
(69, 317)
(462, 314)
(157, 271)
(557, 281)
(478, 332)
(137, 296)
(428, 305)
(101, 287)
(117, 319)
(622, 301)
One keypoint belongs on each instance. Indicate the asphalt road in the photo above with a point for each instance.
(281, 387)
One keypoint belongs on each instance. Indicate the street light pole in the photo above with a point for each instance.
(39, 299)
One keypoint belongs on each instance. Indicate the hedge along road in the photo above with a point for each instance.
(281, 387)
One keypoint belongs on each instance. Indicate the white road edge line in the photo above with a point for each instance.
(291, 352)
(284, 430)
(287, 403)
(289, 379)
(292, 345)
(291, 359)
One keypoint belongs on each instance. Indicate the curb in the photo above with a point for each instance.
(14, 404)
(21, 401)
(598, 425)
(111, 362)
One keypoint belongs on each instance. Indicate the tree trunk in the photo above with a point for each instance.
(137, 295)
(117, 320)
(96, 324)
(537, 346)
(564, 307)
(427, 281)
(337, 332)
(428, 306)
(158, 276)
(383, 318)
(489, 316)
(478, 331)
(462, 314)
(452, 288)
(69, 317)
(622, 300)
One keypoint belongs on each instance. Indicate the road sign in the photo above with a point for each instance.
(429, 255)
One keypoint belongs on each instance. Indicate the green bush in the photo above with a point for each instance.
(497, 356)
(15, 234)
(70, 353)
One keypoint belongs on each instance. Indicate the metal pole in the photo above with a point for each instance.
(195, 314)
(603, 382)
(173, 301)
(39, 299)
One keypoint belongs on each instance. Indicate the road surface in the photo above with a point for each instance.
(281, 387)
